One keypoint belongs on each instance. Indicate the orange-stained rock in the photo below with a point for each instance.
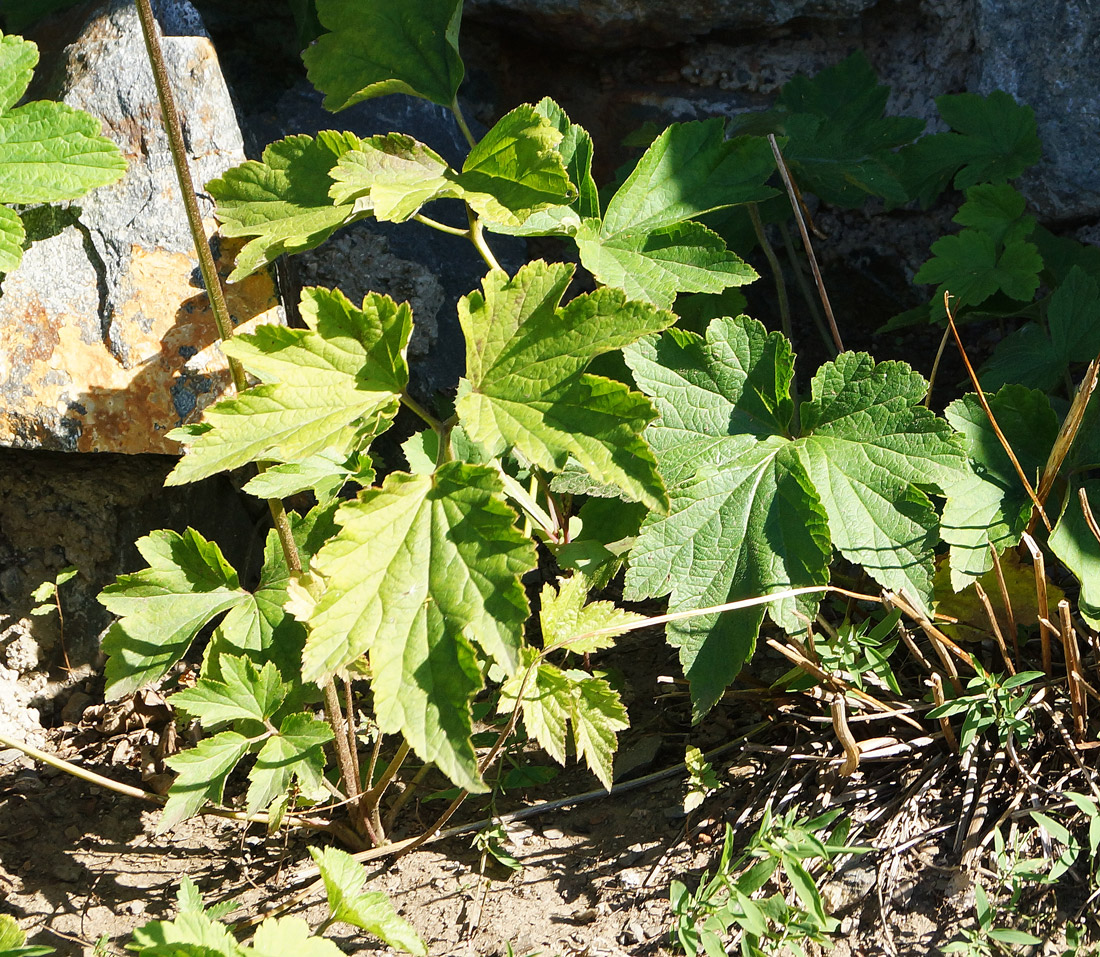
(106, 337)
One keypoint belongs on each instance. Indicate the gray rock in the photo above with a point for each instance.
(1048, 56)
(623, 23)
(106, 340)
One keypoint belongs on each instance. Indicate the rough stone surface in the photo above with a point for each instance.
(623, 23)
(1048, 56)
(106, 339)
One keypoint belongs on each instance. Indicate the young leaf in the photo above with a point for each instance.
(420, 568)
(201, 771)
(1039, 358)
(243, 693)
(283, 202)
(565, 617)
(289, 937)
(324, 474)
(839, 144)
(553, 698)
(994, 140)
(755, 510)
(526, 385)
(163, 607)
(575, 150)
(986, 503)
(295, 752)
(386, 46)
(195, 931)
(655, 266)
(321, 383)
(372, 910)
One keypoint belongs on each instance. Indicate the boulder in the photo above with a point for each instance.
(1048, 56)
(616, 24)
(106, 338)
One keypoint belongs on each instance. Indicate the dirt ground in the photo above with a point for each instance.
(78, 861)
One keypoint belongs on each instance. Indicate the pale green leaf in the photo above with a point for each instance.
(282, 202)
(242, 693)
(515, 170)
(51, 152)
(324, 474)
(690, 169)
(290, 937)
(420, 568)
(12, 236)
(526, 387)
(18, 58)
(397, 173)
(565, 617)
(164, 606)
(295, 752)
(655, 266)
(201, 773)
(987, 504)
(386, 46)
(553, 698)
(372, 910)
(597, 714)
(321, 383)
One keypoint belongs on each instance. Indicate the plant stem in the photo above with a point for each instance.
(171, 120)
(477, 237)
(346, 760)
(376, 792)
(461, 121)
(410, 403)
(442, 227)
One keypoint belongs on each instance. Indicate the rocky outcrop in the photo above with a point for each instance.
(615, 24)
(106, 339)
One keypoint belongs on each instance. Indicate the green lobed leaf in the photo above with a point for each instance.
(565, 617)
(516, 169)
(655, 266)
(372, 910)
(386, 46)
(997, 210)
(754, 509)
(397, 173)
(18, 58)
(994, 140)
(690, 169)
(290, 937)
(552, 699)
(282, 202)
(421, 568)
(163, 607)
(321, 383)
(871, 449)
(972, 267)
(51, 152)
(13, 940)
(1077, 548)
(575, 150)
(839, 144)
(12, 236)
(1040, 358)
(243, 693)
(744, 519)
(324, 474)
(526, 387)
(201, 773)
(294, 753)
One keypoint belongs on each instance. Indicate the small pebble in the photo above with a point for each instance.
(553, 833)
